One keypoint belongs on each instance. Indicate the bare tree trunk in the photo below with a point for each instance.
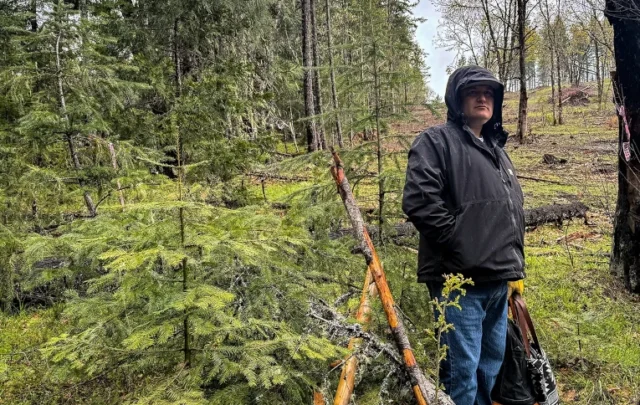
(392, 57)
(599, 80)
(334, 93)
(544, 10)
(553, 90)
(114, 164)
(7, 289)
(625, 258)
(91, 207)
(512, 16)
(494, 41)
(317, 89)
(366, 132)
(522, 108)
(84, 12)
(33, 20)
(376, 89)
(293, 130)
(307, 62)
(181, 178)
(559, 77)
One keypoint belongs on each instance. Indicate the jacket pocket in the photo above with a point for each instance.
(482, 238)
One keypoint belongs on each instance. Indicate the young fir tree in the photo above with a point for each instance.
(383, 73)
(207, 303)
(65, 87)
(241, 278)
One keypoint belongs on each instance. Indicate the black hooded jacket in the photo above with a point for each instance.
(463, 196)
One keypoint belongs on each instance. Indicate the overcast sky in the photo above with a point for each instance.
(437, 58)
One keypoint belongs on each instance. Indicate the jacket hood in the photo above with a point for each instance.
(469, 75)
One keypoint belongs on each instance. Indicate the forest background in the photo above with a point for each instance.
(170, 232)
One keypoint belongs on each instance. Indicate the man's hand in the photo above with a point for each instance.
(515, 286)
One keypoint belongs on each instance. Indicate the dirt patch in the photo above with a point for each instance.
(604, 168)
(405, 131)
(421, 118)
(575, 96)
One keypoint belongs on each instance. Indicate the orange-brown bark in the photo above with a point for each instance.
(423, 389)
(318, 398)
(348, 375)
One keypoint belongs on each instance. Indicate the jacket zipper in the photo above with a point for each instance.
(506, 188)
(511, 211)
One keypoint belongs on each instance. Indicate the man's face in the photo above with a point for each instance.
(477, 104)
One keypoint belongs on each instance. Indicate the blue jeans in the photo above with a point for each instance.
(477, 344)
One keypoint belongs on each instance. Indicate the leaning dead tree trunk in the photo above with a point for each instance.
(348, 375)
(423, 389)
(625, 257)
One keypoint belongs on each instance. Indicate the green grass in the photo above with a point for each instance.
(587, 323)
(22, 370)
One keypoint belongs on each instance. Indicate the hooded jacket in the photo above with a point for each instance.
(462, 194)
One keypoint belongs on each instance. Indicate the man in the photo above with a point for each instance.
(462, 195)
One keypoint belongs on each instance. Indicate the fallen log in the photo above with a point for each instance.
(543, 180)
(553, 213)
(423, 389)
(581, 93)
(556, 213)
(552, 160)
(273, 176)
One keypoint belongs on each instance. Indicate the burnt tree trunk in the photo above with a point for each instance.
(522, 108)
(307, 63)
(625, 257)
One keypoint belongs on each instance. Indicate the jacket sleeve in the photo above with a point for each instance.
(425, 185)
